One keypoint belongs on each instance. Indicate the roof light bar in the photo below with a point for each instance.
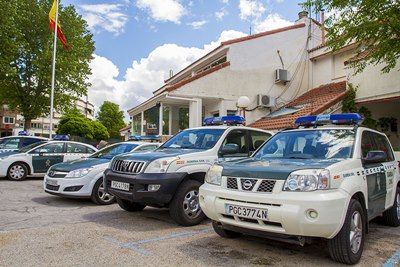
(61, 137)
(225, 120)
(144, 137)
(339, 119)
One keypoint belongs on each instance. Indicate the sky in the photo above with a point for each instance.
(139, 42)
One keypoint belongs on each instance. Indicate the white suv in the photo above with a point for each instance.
(313, 181)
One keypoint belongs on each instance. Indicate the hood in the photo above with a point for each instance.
(79, 164)
(157, 154)
(278, 169)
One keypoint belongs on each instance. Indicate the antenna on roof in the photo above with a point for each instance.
(277, 51)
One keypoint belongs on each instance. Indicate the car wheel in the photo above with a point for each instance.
(129, 206)
(184, 207)
(391, 217)
(347, 246)
(223, 232)
(99, 195)
(17, 172)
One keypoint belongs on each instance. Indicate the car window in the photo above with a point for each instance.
(10, 143)
(320, 144)
(28, 141)
(77, 148)
(50, 148)
(371, 141)
(235, 144)
(146, 148)
(194, 139)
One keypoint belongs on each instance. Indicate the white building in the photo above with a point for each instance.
(283, 72)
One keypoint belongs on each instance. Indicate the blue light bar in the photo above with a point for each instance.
(61, 137)
(23, 133)
(345, 118)
(228, 120)
(144, 138)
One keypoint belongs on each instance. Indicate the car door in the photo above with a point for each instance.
(47, 155)
(378, 175)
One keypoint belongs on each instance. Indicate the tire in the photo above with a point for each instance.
(223, 232)
(347, 246)
(184, 207)
(129, 206)
(99, 196)
(17, 171)
(391, 217)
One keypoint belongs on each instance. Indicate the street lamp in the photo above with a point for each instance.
(243, 102)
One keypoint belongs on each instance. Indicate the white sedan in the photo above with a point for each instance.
(36, 159)
(83, 178)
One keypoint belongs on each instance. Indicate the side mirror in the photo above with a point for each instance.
(229, 149)
(376, 156)
(42, 152)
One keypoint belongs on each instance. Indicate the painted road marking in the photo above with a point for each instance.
(393, 261)
(133, 245)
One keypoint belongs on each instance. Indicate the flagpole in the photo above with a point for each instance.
(53, 74)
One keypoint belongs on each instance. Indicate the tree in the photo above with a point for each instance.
(111, 117)
(26, 50)
(374, 26)
(76, 125)
(100, 131)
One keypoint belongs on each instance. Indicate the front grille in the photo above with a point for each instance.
(128, 166)
(52, 187)
(250, 184)
(57, 174)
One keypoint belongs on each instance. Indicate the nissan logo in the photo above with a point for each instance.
(247, 184)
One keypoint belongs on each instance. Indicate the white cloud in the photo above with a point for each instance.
(273, 21)
(198, 24)
(251, 10)
(104, 16)
(144, 76)
(165, 10)
(221, 14)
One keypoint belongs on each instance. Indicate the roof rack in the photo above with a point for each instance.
(225, 120)
(337, 119)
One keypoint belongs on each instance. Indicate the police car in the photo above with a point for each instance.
(83, 178)
(325, 179)
(36, 159)
(171, 175)
(13, 143)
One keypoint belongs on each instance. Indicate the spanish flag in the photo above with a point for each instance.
(52, 22)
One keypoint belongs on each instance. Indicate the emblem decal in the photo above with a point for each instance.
(247, 184)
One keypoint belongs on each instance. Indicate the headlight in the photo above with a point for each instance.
(307, 180)
(214, 175)
(78, 173)
(159, 165)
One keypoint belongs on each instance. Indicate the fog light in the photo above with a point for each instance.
(153, 187)
(313, 214)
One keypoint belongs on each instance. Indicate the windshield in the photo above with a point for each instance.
(319, 144)
(195, 139)
(110, 151)
(29, 147)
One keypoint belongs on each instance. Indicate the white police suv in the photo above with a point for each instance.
(170, 176)
(325, 179)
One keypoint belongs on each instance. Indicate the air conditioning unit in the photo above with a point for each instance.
(265, 101)
(282, 76)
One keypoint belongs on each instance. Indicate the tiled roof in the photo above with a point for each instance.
(314, 101)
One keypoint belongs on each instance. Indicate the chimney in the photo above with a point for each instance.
(323, 27)
(303, 14)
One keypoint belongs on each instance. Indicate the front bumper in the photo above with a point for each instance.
(138, 186)
(288, 212)
(70, 187)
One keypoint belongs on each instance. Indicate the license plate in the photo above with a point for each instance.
(120, 185)
(246, 212)
(52, 182)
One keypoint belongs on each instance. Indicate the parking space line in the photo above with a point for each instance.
(133, 245)
(393, 261)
